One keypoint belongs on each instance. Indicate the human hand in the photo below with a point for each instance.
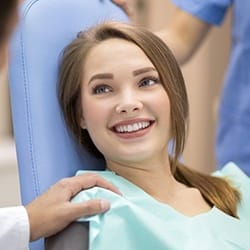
(52, 211)
(127, 7)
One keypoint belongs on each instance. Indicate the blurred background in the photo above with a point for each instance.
(203, 75)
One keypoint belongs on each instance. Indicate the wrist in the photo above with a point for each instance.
(32, 223)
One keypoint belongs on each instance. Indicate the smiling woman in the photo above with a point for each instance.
(124, 110)
(124, 98)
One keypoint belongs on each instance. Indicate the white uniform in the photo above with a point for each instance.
(14, 228)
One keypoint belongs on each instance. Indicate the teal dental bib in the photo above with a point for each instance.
(136, 221)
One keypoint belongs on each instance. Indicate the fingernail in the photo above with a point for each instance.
(105, 205)
(119, 192)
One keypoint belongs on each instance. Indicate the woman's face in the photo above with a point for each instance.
(124, 106)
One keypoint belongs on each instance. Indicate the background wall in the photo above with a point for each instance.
(9, 185)
(203, 74)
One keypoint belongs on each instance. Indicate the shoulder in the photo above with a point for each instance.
(106, 174)
(241, 181)
(233, 173)
(210, 11)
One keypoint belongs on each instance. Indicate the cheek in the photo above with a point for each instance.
(161, 103)
(162, 107)
(94, 113)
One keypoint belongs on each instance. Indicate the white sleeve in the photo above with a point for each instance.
(14, 228)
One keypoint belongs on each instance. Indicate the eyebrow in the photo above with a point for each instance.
(111, 76)
(143, 70)
(101, 76)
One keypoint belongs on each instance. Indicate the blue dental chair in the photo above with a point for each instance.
(45, 150)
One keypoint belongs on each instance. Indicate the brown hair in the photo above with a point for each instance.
(215, 190)
(7, 8)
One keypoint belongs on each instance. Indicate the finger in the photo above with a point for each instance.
(75, 184)
(96, 180)
(91, 207)
(91, 180)
(126, 7)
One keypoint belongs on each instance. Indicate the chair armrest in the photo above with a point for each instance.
(75, 236)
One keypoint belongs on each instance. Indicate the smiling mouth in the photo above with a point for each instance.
(133, 127)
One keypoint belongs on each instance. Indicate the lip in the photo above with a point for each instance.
(135, 134)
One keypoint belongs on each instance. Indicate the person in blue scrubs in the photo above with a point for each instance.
(184, 34)
(124, 98)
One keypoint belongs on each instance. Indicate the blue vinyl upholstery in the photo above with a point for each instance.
(45, 150)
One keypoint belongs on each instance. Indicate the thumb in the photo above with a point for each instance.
(90, 207)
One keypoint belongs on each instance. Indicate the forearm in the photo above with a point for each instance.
(14, 231)
(184, 34)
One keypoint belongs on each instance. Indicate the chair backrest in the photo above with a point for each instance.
(45, 150)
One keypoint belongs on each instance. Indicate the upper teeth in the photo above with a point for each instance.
(132, 127)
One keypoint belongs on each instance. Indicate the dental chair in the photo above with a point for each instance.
(45, 150)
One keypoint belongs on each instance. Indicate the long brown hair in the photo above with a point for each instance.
(215, 190)
(7, 9)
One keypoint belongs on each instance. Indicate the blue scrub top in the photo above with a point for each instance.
(233, 134)
(138, 221)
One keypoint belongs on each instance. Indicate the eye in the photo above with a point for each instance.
(148, 81)
(101, 89)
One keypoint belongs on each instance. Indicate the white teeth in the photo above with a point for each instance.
(144, 124)
(135, 127)
(132, 127)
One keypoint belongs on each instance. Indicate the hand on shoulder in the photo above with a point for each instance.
(53, 211)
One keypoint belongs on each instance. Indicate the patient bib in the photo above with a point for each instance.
(136, 221)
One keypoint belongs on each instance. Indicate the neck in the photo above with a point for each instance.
(153, 176)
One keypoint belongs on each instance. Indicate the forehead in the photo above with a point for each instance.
(118, 43)
(115, 53)
(115, 47)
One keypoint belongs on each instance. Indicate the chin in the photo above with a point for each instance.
(135, 158)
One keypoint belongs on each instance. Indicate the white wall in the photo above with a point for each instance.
(9, 184)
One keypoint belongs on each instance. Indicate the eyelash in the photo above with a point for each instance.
(98, 87)
(107, 89)
(151, 78)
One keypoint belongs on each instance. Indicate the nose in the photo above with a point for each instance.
(129, 105)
